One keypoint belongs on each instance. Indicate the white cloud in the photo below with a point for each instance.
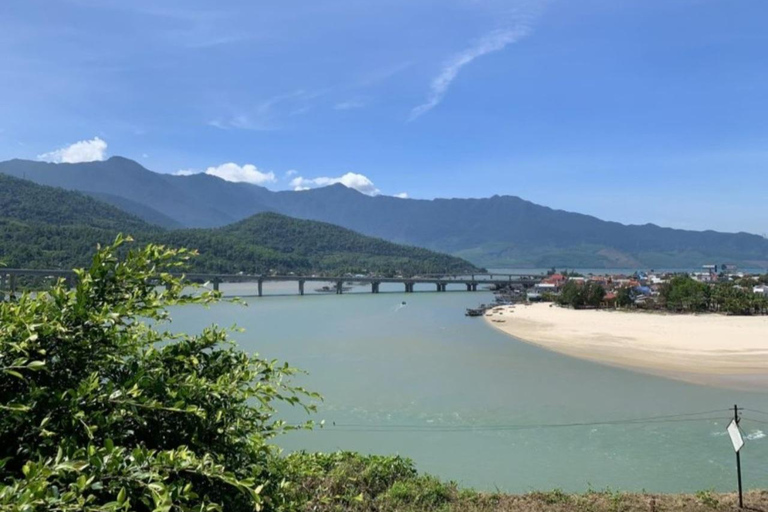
(247, 173)
(186, 172)
(402, 195)
(492, 42)
(82, 151)
(353, 180)
(291, 172)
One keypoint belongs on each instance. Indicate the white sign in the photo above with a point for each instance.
(735, 433)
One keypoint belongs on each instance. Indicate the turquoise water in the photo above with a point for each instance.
(471, 404)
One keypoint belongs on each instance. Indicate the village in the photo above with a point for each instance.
(700, 290)
(713, 288)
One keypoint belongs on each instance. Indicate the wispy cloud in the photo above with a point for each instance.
(350, 104)
(495, 41)
(266, 115)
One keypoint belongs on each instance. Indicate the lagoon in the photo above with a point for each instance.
(473, 405)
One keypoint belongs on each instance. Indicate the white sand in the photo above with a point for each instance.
(707, 349)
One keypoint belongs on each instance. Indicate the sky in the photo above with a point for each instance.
(630, 110)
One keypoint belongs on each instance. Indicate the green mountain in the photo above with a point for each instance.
(46, 227)
(493, 232)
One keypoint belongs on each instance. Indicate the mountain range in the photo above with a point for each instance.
(500, 231)
(47, 227)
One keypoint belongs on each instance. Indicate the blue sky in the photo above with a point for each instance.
(631, 110)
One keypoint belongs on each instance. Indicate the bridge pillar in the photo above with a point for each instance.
(339, 287)
(474, 287)
(408, 287)
(12, 285)
(374, 287)
(301, 287)
(261, 287)
(2, 287)
(469, 287)
(216, 282)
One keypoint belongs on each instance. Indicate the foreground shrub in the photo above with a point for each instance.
(102, 411)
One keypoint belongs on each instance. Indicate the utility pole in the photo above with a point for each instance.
(738, 458)
(738, 443)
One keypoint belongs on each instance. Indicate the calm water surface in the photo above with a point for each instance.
(471, 404)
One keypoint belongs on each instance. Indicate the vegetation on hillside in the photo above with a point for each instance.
(271, 241)
(500, 231)
(44, 227)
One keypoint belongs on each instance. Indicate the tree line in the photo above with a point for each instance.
(682, 294)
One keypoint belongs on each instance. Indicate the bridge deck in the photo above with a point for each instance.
(472, 281)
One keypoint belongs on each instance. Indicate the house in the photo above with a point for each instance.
(704, 277)
(545, 287)
(761, 290)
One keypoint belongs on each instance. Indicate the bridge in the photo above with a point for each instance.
(9, 280)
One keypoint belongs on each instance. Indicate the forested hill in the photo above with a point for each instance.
(28, 202)
(46, 227)
(494, 232)
(303, 245)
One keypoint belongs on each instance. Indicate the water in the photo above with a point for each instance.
(413, 379)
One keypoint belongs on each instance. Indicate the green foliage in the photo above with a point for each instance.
(624, 297)
(501, 231)
(684, 294)
(45, 227)
(350, 481)
(708, 498)
(103, 411)
(580, 295)
(269, 241)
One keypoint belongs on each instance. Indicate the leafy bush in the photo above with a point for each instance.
(102, 411)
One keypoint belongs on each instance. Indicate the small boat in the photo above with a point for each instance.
(402, 303)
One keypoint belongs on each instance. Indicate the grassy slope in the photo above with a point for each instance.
(352, 482)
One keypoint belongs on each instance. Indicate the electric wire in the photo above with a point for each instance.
(753, 410)
(671, 418)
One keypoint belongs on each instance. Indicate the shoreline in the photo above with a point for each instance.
(709, 349)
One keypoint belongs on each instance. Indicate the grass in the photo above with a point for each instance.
(352, 482)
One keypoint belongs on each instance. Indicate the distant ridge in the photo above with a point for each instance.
(493, 232)
(48, 227)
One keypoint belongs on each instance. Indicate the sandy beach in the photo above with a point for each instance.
(726, 351)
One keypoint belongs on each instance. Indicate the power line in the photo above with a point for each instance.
(754, 410)
(672, 418)
(756, 421)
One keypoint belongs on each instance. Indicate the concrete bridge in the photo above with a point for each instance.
(9, 279)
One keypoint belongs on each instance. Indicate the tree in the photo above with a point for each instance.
(103, 411)
(578, 295)
(624, 297)
(683, 293)
(594, 294)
